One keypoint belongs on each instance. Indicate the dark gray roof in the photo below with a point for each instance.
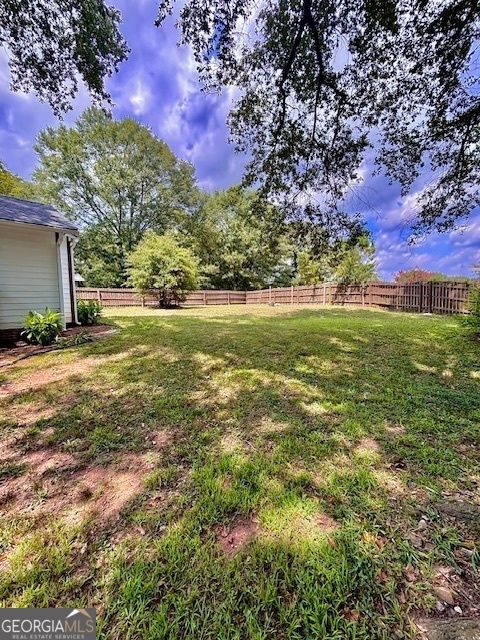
(15, 210)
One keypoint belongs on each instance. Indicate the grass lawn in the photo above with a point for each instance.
(246, 472)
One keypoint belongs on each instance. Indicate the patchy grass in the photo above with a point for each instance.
(233, 472)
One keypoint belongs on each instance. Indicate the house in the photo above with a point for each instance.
(79, 281)
(36, 263)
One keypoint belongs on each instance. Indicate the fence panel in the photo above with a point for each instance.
(421, 297)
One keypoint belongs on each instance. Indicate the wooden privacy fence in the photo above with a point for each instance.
(422, 297)
(131, 298)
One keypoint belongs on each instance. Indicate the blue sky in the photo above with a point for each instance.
(158, 85)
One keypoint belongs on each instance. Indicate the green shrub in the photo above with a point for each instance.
(160, 266)
(42, 328)
(89, 311)
(473, 306)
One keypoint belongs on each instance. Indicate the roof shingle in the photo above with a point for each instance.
(15, 210)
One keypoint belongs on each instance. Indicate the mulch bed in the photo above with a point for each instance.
(22, 349)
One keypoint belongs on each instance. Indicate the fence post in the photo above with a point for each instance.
(369, 294)
(204, 298)
(99, 295)
(420, 297)
(228, 296)
(430, 296)
(291, 297)
(324, 293)
(270, 294)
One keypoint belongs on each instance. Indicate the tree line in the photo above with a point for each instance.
(121, 184)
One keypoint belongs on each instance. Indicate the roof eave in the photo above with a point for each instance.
(48, 227)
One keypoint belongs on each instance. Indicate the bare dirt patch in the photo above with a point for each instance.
(231, 442)
(38, 379)
(309, 527)
(103, 492)
(367, 445)
(161, 438)
(325, 523)
(34, 380)
(395, 429)
(457, 590)
(28, 413)
(53, 484)
(235, 535)
(269, 426)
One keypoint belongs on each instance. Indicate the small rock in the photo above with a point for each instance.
(444, 594)
(422, 525)
(442, 572)
(410, 573)
(466, 553)
(415, 541)
(458, 609)
(468, 544)
(440, 607)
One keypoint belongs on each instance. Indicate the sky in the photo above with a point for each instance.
(158, 85)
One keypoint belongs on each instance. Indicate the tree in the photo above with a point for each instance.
(12, 185)
(313, 269)
(320, 83)
(346, 264)
(53, 43)
(97, 259)
(239, 241)
(116, 179)
(356, 264)
(417, 275)
(159, 265)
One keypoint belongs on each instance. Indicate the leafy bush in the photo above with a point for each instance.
(473, 306)
(159, 265)
(42, 328)
(89, 311)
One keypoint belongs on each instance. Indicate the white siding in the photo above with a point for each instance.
(65, 280)
(28, 273)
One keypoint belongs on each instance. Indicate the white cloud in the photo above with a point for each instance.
(468, 234)
(140, 98)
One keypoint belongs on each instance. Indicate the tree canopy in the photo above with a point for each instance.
(117, 180)
(357, 264)
(347, 264)
(239, 241)
(313, 269)
(12, 185)
(53, 43)
(321, 83)
(408, 276)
